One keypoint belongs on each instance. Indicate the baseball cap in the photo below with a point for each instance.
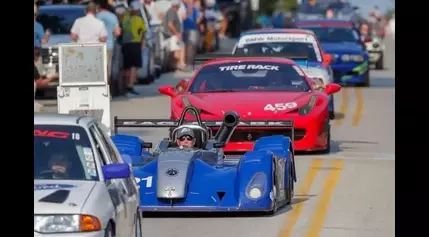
(175, 2)
(135, 5)
(185, 132)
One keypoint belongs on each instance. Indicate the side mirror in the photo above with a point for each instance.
(219, 145)
(332, 88)
(327, 59)
(181, 86)
(116, 171)
(167, 90)
(147, 145)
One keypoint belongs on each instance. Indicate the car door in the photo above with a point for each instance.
(132, 197)
(115, 187)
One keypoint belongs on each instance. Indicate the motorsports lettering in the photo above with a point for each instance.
(249, 67)
(277, 38)
(207, 123)
(56, 134)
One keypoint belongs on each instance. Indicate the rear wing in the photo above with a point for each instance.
(166, 123)
(199, 60)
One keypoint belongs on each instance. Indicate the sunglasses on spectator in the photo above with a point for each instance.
(188, 138)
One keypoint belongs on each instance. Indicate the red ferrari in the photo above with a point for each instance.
(258, 88)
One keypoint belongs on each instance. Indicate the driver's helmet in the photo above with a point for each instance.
(59, 159)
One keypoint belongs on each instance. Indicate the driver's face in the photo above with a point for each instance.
(59, 167)
(186, 141)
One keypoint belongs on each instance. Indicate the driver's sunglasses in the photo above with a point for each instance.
(188, 138)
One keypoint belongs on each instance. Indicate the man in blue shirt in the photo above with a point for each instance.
(191, 33)
(40, 36)
(111, 23)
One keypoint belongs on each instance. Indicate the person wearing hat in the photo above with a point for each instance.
(185, 138)
(134, 29)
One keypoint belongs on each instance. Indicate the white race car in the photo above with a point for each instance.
(375, 48)
(82, 187)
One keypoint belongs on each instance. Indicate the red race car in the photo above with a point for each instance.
(258, 88)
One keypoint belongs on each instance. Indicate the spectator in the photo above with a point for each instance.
(40, 35)
(190, 27)
(329, 14)
(173, 30)
(113, 30)
(311, 7)
(154, 13)
(132, 45)
(40, 82)
(89, 29)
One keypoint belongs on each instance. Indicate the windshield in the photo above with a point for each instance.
(63, 152)
(335, 34)
(249, 76)
(59, 20)
(279, 49)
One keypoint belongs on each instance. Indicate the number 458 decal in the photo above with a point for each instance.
(280, 106)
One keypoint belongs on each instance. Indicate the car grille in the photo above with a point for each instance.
(253, 135)
(49, 55)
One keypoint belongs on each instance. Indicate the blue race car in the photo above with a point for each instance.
(203, 178)
(349, 56)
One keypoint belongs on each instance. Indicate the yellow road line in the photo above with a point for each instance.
(359, 105)
(344, 105)
(307, 181)
(323, 205)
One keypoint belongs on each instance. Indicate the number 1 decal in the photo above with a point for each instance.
(148, 181)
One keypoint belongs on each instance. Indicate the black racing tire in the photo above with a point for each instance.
(138, 224)
(379, 65)
(290, 191)
(327, 150)
(275, 191)
(365, 82)
(109, 232)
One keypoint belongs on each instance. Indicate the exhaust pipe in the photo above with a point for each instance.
(230, 121)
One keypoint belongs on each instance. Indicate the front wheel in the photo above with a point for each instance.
(290, 191)
(109, 231)
(379, 65)
(328, 142)
(138, 224)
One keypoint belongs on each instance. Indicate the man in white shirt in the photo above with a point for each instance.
(89, 29)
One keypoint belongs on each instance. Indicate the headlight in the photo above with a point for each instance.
(304, 110)
(65, 223)
(257, 186)
(351, 57)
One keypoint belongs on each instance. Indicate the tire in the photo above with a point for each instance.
(275, 192)
(290, 192)
(332, 113)
(138, 226)
(328, 146)
(109, 231)
(379, 65)
(365, 82)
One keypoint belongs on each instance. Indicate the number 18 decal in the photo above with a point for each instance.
(147, 179)
(280, 106)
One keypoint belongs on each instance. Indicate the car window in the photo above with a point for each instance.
(63, 152)
(335, 34)
(100, 145)
(109, 144)
(59, 20)
(249, 76)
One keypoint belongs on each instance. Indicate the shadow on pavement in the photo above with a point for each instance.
(297, 199)
(382, 82)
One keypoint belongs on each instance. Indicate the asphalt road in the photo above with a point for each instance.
(348, 193)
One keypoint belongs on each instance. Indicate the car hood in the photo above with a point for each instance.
(247, 104)
(73, 203)
(344, 47)
(57, 39)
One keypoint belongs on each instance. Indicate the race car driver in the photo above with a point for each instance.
(185, 138)
(59, 164)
